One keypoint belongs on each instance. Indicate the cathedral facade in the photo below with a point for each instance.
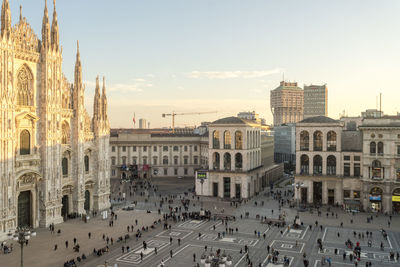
(54, 158)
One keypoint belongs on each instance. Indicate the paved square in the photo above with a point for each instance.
(174, 233)
(336, 235)
(234, 240)
(280, 262)
(184, 256)
(133, 257)
(288, 246)
(295, 233)
(364, 255)
(191, 224)
(248, 229)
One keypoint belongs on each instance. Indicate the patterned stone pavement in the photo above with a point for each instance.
(199, 237)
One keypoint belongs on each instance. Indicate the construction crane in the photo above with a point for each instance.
(173, 114)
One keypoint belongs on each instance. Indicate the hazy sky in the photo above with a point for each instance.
(226, 55)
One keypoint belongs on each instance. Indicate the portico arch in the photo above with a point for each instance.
(27, 199)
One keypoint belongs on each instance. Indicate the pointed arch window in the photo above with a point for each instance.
(86, 160)
(65, 136)
(25, 143)
(64, 164)
(24, 87)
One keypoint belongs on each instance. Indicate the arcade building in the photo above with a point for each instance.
(239, 166)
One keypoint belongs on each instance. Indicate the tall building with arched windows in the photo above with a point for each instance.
(240, 160)
(53, 157)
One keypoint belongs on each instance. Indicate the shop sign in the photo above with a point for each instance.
(376, 198)
(201, 175)
(396, 198)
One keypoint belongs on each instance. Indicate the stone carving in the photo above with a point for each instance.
(28, 178)
(59, 104)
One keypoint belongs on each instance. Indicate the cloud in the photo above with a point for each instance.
(137, 85)
(123, 88)
(233, 74)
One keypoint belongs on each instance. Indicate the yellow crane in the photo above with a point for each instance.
(173, 114)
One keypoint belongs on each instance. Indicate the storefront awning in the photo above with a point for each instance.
(352, 202)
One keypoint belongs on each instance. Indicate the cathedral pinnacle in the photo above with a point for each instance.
(104, 86)
(97, 86)
(104, 101)
(5, 19)
(46, 27)
(78, 70)
(97, 101)
(55, 35)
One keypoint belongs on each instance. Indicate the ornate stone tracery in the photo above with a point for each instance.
(24, 87)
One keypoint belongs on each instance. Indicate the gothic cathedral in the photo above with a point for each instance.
(54, 158)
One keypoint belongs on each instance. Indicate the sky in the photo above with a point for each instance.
(160, 56)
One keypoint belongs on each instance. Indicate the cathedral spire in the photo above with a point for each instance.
(20, 13)
(97, 101)
(104, 87)
(78, 69)
(46, 27)
(5, 19)
(55, 36)
(104, 100)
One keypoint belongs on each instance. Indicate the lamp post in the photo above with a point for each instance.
(21, 235)
(298, 185)
(202, 182)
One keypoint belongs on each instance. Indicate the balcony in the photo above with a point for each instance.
(29, 161)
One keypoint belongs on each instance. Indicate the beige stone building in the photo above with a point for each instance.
(156, 153)
(235, 160)
(354, 162)
(54, 157)
(287, 103)
(381, 163)
(328, 163)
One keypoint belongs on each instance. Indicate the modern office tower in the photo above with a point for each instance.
(315, 100)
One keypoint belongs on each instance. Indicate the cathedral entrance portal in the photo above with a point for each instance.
(65, 207)
(24, 209)
(87, 200)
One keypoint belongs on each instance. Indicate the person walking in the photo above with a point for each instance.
(66, 244)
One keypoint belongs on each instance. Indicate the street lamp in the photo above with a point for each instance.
(202, 182)
(298, 185)
(21, 235)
